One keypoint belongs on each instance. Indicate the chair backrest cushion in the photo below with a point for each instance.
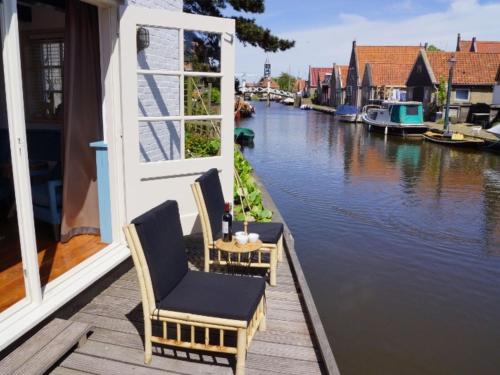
(211, 189)
(160, 233)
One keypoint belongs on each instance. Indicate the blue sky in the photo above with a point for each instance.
(324, 29)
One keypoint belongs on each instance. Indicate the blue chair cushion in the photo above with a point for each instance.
(41, 197)
(211, 189)
(160, 233)
(216, 295)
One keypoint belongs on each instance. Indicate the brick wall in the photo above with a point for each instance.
(159, 95)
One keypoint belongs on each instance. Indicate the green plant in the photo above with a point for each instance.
(198, 146)
(247, 195)
(441, 94)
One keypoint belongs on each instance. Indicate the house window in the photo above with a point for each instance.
(462, 95)
(44, 61)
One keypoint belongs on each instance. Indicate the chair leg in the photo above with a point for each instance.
(280, 249)
(148, 347)
(263, 323)
(274, 266)
(57, 232)
(241, 351)
(206, 261)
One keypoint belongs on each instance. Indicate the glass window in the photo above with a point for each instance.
(44, 60)
(462, 94)
(412, 110)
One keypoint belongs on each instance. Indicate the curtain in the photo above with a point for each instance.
(82, 120)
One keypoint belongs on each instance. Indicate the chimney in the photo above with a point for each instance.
(354, 43)
(426, 45)
(473, 45)
(458, 42)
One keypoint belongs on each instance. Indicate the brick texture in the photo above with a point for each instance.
(159, 95)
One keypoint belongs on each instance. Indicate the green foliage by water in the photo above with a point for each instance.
(441, 94)
(247, 195)
(199, 145)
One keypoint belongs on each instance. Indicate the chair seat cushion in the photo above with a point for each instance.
(268, 232)
(41, 197)
(216, 295)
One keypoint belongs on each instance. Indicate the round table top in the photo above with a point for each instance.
(235, 247)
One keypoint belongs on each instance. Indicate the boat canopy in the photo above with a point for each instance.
(345, 109)
(407, 113)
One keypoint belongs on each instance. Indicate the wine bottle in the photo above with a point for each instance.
(227, 223)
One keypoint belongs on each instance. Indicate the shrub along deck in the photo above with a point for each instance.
(113, 308)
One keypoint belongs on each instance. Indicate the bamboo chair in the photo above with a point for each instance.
(196, 306)
(207, 191)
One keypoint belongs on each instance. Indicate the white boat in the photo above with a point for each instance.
(400, 118)
(288, 101)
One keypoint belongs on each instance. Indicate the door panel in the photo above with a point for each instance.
(177, 86)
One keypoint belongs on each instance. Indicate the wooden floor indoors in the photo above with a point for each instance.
(54, 258)
(113, 308)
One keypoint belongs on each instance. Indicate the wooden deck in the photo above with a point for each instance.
(113, 308)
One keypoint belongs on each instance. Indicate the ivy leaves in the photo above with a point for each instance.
(247, 194)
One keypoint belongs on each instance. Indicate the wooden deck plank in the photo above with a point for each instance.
(67, 371)
(51, 353)
(31, 347)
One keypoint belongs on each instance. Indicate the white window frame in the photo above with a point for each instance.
(136, 171)
(459, 99)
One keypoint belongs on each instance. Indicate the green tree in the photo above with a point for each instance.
(247, 30)
(432, 47)
(286, 81)
(441, 94)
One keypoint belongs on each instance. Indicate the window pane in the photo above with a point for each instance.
(157, 48)
(202, 139)
(412, 110)
(202, 51)
(202, 96)
(158, 95)
(159, 140)
(462, 94)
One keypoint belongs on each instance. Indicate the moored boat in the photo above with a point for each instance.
(398, 118)
(347, 113)
(243, 135)
(454, 139)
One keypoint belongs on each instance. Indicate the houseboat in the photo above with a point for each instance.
(347, 113)
(399, 118)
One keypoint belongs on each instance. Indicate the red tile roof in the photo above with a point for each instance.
(399, 55)
(313, 75)
(384, 74)
(481, 46)
(471, 68)
(343, 69)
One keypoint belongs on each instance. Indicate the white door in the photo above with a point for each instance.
(177, 81)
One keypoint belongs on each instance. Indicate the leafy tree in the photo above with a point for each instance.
(433, 48)
(247, 30)
(286, 81)
(441, 94)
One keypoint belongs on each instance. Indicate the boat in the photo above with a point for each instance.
(243, 135)
(454, 139)
(288, 101)
(305, 107)
(398, 118)
(242, 109)
(347, 113)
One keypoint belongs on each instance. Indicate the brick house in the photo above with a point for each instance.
(315, 77)
(386, 57)
(338, 84)
(473, 80)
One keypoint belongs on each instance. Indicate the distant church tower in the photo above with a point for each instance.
(267, 68)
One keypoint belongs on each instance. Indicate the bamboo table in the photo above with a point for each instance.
(233, 247)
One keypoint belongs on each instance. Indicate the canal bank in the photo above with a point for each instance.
(398, 240)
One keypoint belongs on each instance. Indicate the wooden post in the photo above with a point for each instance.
(241, 351)
(189, 96)
(209, 104)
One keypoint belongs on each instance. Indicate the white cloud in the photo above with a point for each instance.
(323, 46)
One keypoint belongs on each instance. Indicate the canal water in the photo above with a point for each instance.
(399, 241)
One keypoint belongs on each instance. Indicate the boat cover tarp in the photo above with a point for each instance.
(407, 114)
(345, 109)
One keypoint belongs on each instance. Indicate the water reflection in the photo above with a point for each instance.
(399, 240)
